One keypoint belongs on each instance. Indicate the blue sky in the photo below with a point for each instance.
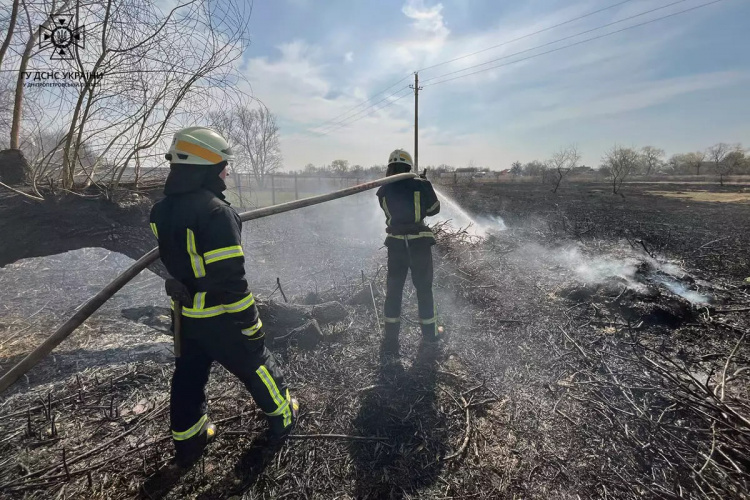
(681, 83)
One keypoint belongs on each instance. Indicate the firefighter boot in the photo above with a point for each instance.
(189, 451)
(280, 426)
(390, 341)
(430, 332)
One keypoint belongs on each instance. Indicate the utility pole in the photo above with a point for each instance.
(416, 88)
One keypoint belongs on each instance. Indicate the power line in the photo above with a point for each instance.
(348, 114)
(526, 36)
(561, 48)
(334, 125)
(335, 119)
(348, 121)
(369, 99)
(338, 124)
(558, 40)
(371, 112)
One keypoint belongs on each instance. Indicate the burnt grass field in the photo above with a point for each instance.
(595, 347)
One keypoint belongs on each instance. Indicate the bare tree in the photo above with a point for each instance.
(162, 70)
(725, 158)
(340, 166)
(651, 159)
(225, 123)
(561, 163)
(676, 164)
(717, 154)
(378, 170)
(694, 161)
(546, 174)
(6, 110)
(255, 136)
(136, 84)
(33, 30)
(533, 168)
(261, 141)
(516, 169)
(736, 160)
(620, 163)
(11, 28)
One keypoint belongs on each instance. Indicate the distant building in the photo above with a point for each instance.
(582, 170)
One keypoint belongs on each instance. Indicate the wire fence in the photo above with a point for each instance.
(245, 190)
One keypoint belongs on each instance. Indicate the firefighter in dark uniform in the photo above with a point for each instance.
(201, 246)
(406, 203)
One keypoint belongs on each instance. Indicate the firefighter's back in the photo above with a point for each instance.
(178, 219)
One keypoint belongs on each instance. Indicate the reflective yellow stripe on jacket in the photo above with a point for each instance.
(200, 311)
(387, 212)
(199, 270)
(423, 234)
(222, 253)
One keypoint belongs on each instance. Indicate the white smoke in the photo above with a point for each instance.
(491, 224)
(452, 213)
(681, 290)
(622, 264)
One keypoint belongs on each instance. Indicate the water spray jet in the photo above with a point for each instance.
(453, 213)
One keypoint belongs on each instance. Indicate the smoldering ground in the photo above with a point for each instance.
(520, 399)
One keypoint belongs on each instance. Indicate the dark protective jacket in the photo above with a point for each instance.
(406, 203)
(200, 242)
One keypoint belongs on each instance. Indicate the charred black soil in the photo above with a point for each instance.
(595, 348)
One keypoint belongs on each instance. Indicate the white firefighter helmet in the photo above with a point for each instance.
(199, 146)
(400, 156)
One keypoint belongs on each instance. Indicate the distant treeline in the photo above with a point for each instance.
(721, 159)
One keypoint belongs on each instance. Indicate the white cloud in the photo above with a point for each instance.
(296, 88)
(495, 115)
(636, 96)
(426, 19)
(426, 40)
(288, 84)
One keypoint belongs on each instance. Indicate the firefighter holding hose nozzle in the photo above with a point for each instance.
(214, 314)
(409, 242)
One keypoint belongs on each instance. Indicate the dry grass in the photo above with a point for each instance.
(708, 196)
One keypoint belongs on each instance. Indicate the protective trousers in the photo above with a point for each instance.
(416, 255)
(245, 357)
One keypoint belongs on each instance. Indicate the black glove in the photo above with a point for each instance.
(178, 291)
(423, 175)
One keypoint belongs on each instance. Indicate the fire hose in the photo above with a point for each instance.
(95, 302)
